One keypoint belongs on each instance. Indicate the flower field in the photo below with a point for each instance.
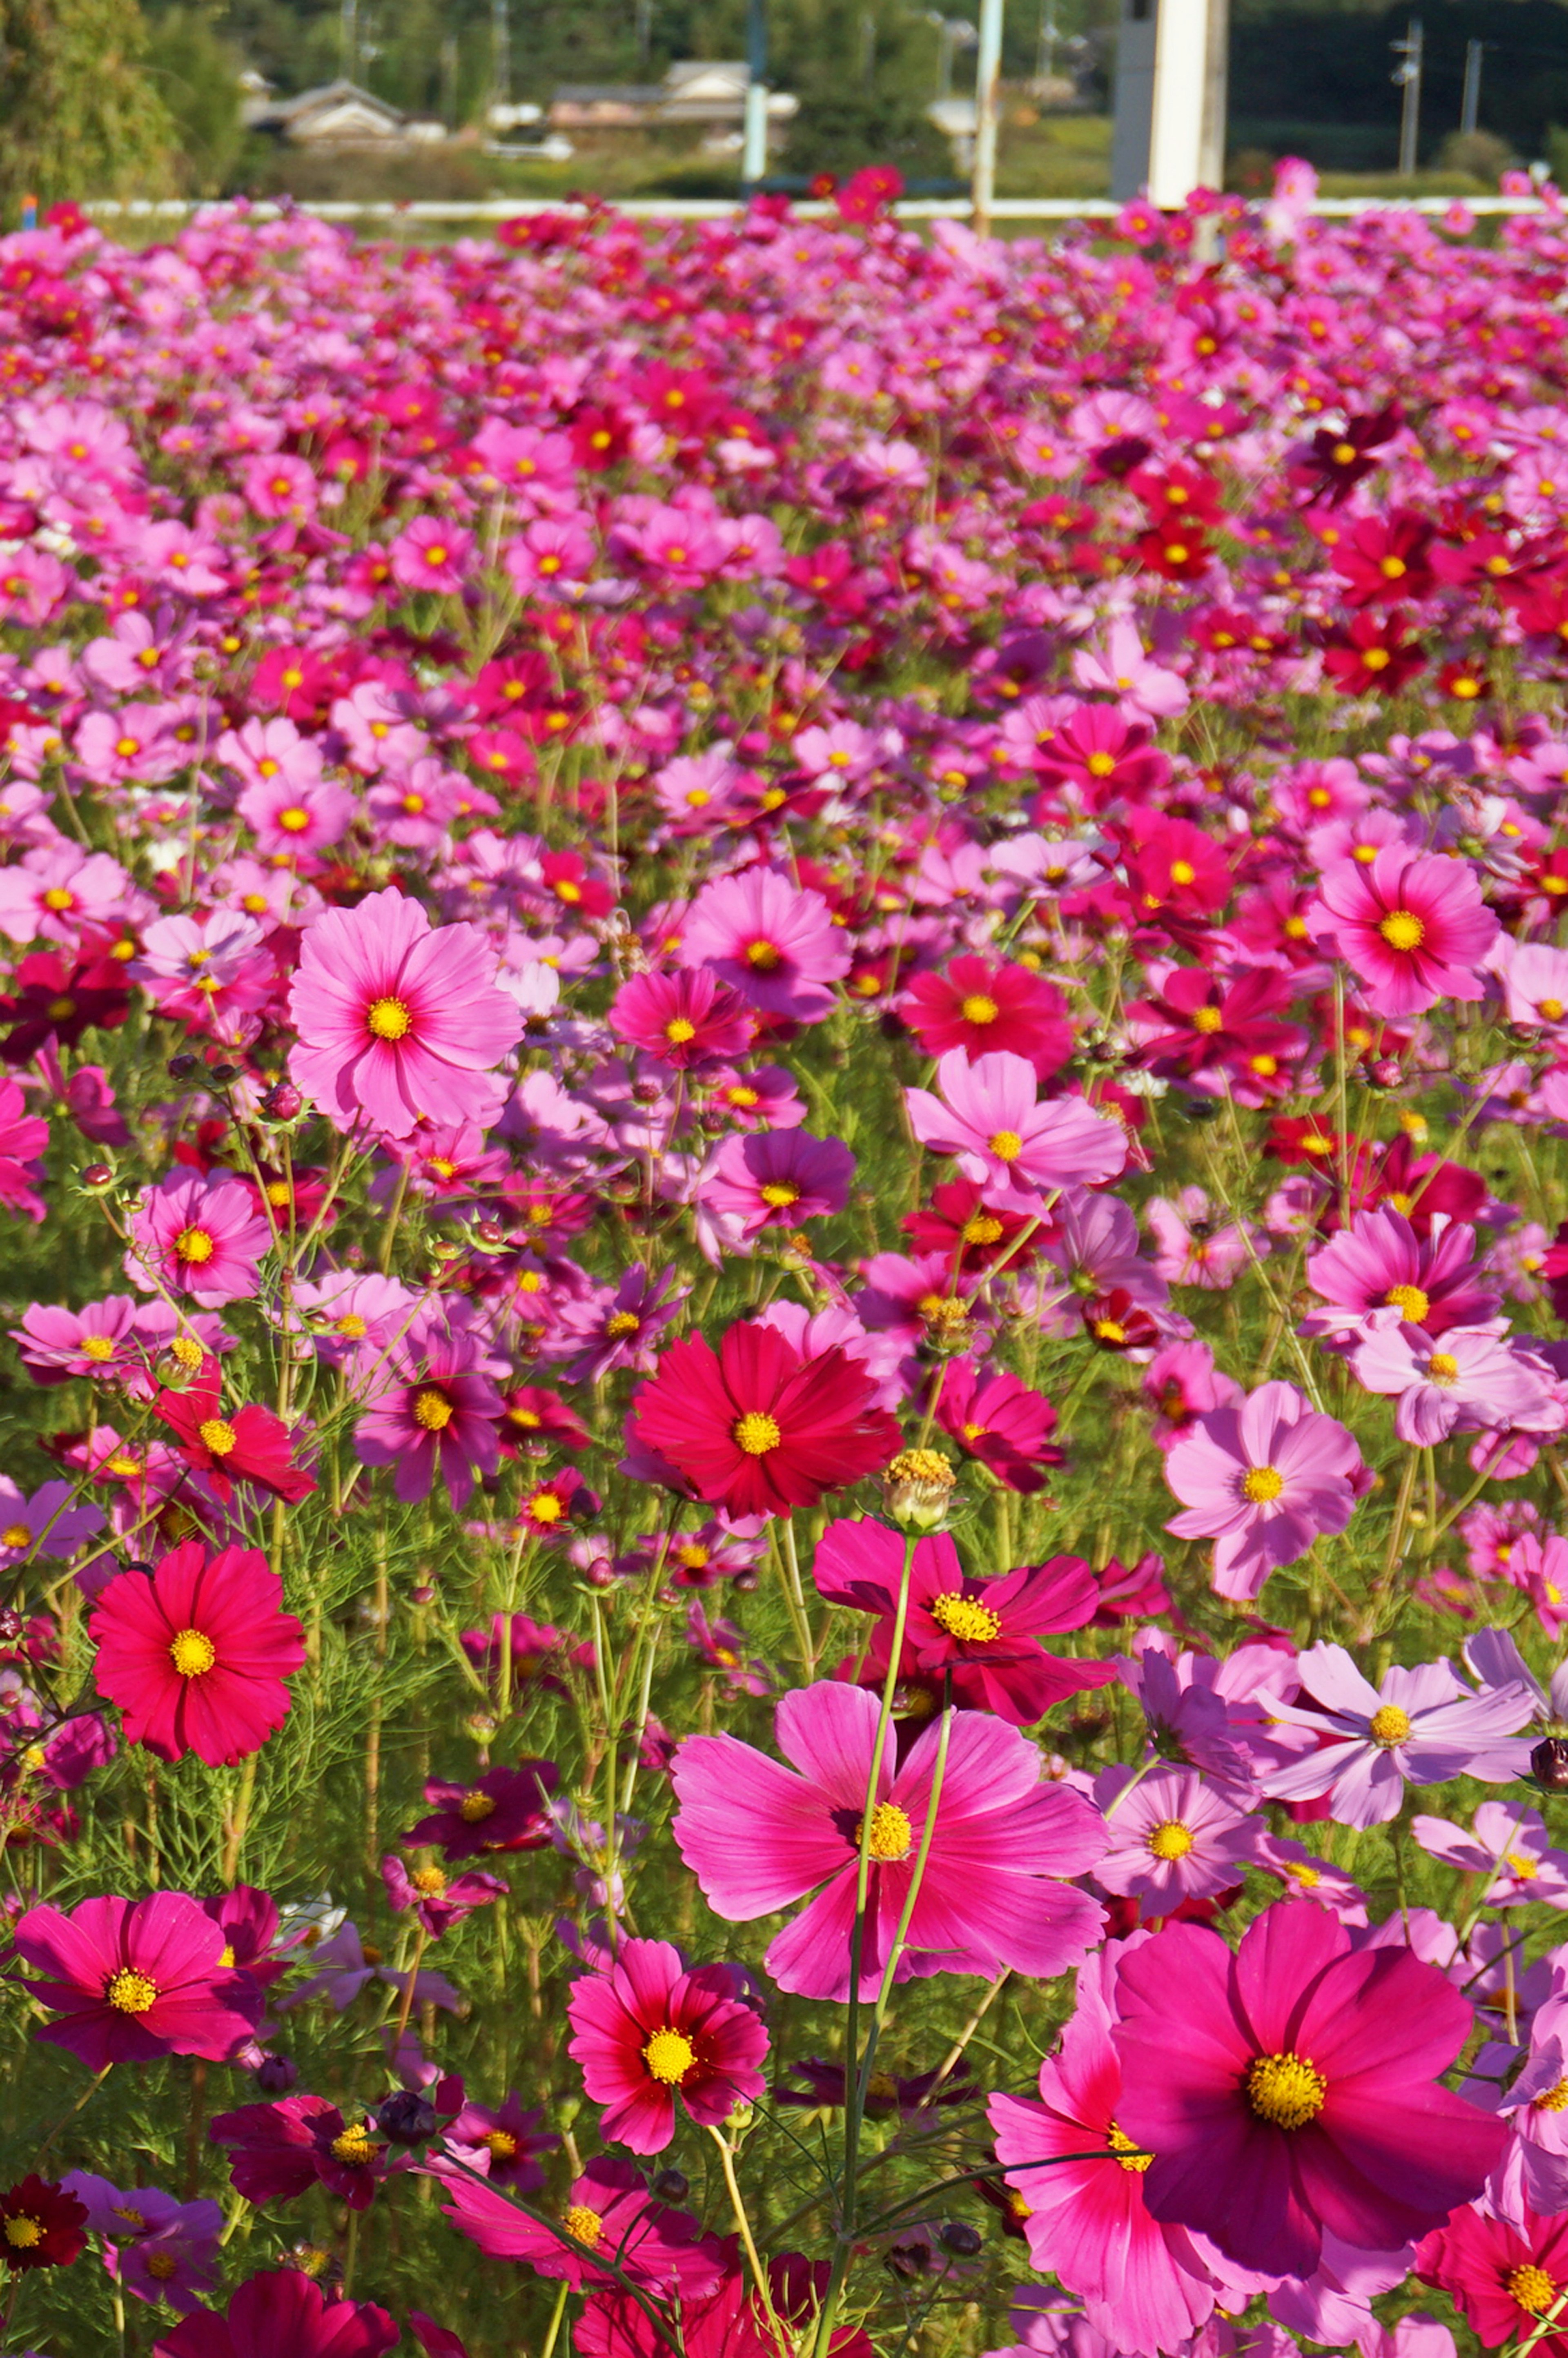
(784, 1052)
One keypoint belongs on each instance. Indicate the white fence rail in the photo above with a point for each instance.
(1018, 209)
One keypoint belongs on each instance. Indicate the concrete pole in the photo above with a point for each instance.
(987, 70)
(1408, 75)
(1170, 74)
(754, 135)
(1470, 104)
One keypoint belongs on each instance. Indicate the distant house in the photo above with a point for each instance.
(338, 115)
(700, 94)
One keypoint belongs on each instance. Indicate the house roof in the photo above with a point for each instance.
(332, 94)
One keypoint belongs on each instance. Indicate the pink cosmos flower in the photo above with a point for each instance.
(1262, 1481)
(988, 1117)
(980, 1634)
(431, 553)
(759, 1837)
(440, 1412)
(775, 1179)
(1422, 1725)
(1412, 925)
(203, 1237)
(1505, 2276)
(1081, 2180)
(398, 1023)
(44, 1524)
(1381, 1261)
(649, 2030)
(56, 891)
(1172, 1838)
(132, 1979)
(281, 2150)
(1294, 2088)
(282, 2314)
(684, 1018)
(772, 941)
(608, 2211)
(1000, 1421)
(1509, 1846)
(198, 1654)
(438, 1899)
(97, 1340)
(1466, 1379)
(988, 1008)
(289, 820)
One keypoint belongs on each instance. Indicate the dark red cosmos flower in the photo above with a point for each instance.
(531, 1413)
(1173, 868)
(41, 2226)
(1386, 558)
(1372, 656)
(730, 2323)
(968, 1232)
(280, 2150)
(505, 1810)
(250, 1442)
(281, 2314)
(1132, 1592)
(982, 1634)
(1300, 1141)
(757, 1429)
(1114, 1322)
(1422, 1186)
(1339, 456)
(1173, 549)
(1180, 496)
(985, 1007)
(1505, 2279)
(1000, 1421)
(438, 1900)
(55, 997)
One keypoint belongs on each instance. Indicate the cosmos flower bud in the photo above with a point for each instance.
(1549, 1764)
(407, 2117)
(283, 1102)
(918, 1489)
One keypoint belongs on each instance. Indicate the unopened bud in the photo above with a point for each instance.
(407, 2117)
(180, 1067)
(275, 2075)
(98, 1178)
(918, 1489)
(283, 1102)
(959, 2238)
(1549, 1764)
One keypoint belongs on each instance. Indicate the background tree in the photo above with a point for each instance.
(81, 115)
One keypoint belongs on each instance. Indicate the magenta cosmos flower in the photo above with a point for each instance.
(397, 1023)
(441, 1413)
(1412, 925)
(988, 1117)
(982, 1635)
(776, 1178)
(1422, 1725)
(648, 2031)
(1294, 2088)
(1000, 1421)
(771, 940)
(987, 1010)
(759, 1837)
(758, 1429)
(200, 1236)
(1381, 1262)
(1506, 2278)
(1262, 1481)
(282, 2314)
(683, 1018)
(1143, 2284)
(132, 1979)
(198, 1656)
(608, 2211)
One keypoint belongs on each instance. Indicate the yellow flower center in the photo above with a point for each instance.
(1171, 1840)
(622, 1323)
(679, 1030)
(669, 2057)
(215, 1435)
(778, 1195)
(1524, 1868)
(22, 2234)
(755, 1433)
(131, 1992)
(979, 1010)
(1389, 1724)
(356, 2147)
(502, 2144)
(1299, 1871)
(433, 1411)
(15, 1535)
(193, 1245)
(161, 2266)
(985, 1229)
(1443, 1368)
(295, 820)
(1553, 2100)
(474, 1808)
(1126, 2152)
(1182, 872)
(893, 1836)
(1403, 930)
(1411, 1301)
(585, 2226)
(98, 1346)
(965, 1618)
(1286, 2089)
(763, 958)
(192, 1653)
(429, 1880)
(1532, 2289)
(388, 1019)
(1552, 1009)
(1007, 1145)
(547, 1508)
(56, 897)
(1260, 1484)
(185, 1351)
(1207, 1019)
(1100, 765)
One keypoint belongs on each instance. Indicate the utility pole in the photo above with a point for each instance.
(1470, 104)
(987, 70)
(499, 53)
(1046, 49)
(754, 138)
(1169, 134)
(348, 39)
(1406, 77)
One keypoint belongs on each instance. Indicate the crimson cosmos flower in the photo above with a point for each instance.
(648, 2030)
(132, 1979)
(249, 1442)
(198, 1656)
(41, 2226)
(282, 2314)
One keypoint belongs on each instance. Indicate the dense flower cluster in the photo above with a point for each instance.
(785, 1042)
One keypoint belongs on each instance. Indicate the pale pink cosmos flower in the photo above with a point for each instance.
(775, 1179)
(1263, 1481)
(53, 892)
(1465, 1380)
(1172, 1837)
(1423, 1724)
(1535, 982)
(988, 1117)
(1196, 1245)
(288, 818)
(398, 1022)
(1120, 667)
(772, 941)
(203, 1237)
(1508, 1844)
(1380, 1262)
